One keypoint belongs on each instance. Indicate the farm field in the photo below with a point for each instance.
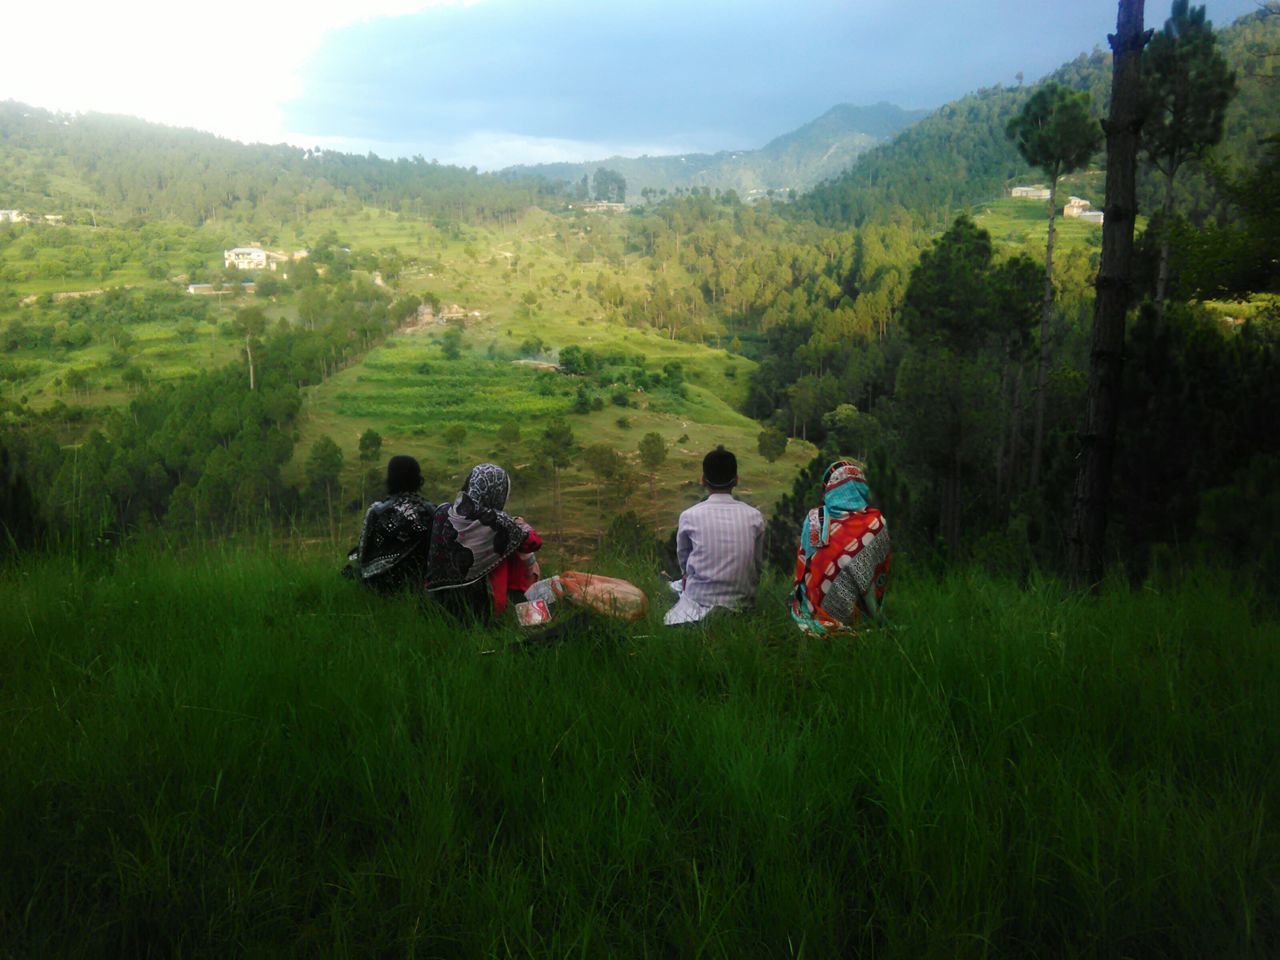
(1024, 223)
(410, 394)
(526, 294)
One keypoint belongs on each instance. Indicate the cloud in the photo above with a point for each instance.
(228, 70)
(490, 82)
(678, 76)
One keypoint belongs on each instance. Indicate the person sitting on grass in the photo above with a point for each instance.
(479, 554)
(842, 564)
(719, 546)
(396, 532)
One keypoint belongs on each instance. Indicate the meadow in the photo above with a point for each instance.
(231, 751)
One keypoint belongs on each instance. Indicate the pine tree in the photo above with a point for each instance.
(1187, 87)
(1055, 133)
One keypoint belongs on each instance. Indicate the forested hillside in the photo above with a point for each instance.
(794, 161)
(959, 156)
(92, 168)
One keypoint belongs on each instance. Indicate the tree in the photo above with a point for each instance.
(454, 435)
(370, 444)
(451, 343)
(1111, 303)
(653, 454)
(324, 469)
(610, 186)
(772, 443)
(250, 323)
(1187, 86)
(509, 434)
(604, 462)
(557, 447)
(324, 464)
(1055, 133)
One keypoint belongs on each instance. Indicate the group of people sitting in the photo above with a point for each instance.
(475, 558)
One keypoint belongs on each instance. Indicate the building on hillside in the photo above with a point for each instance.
(207, 289)
(1075, 206)
(1078, 208)
(54, 218)
(245, 258)
(451, 312)
(13, 216)
(1030, 193)
(603, 206)
(256, 258)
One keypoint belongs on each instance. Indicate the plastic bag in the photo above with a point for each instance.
(609, 595)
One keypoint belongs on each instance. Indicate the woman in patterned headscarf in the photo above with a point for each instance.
(842, 565)
(478, 552)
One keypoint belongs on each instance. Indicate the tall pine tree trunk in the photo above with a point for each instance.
(1114, 287)
(1166, 225)
(1046, 312)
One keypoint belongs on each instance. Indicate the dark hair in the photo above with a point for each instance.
(403, 475)
(720, 468)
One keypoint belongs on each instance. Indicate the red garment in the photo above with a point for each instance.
(843, 578)
(517, 572)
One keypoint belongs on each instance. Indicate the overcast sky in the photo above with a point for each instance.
(495, 82)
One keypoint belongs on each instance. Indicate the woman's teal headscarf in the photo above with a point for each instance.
(844, 487)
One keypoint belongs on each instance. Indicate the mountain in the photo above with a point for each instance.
(796, 161)
(959, 155)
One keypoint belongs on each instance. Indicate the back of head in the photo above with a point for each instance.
(720, 469)
(403, 475)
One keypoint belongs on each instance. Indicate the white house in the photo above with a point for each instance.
(1030, 193)
(13, 216)
(245, 258)
(1075, 207)
(255, 258)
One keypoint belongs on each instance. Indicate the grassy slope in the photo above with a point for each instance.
(410, 409)
(237, 753)
(472, 267)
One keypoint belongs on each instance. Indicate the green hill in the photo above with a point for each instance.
(100, 169)
(796, 160)
(959, 156)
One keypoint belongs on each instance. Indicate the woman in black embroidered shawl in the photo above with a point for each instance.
(478, 552)
(396, 534)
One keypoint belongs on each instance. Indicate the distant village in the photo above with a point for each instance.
(1076, 208)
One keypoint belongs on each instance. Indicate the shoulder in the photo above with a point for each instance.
(695, 509)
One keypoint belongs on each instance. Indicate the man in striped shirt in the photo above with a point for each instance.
(719, 543)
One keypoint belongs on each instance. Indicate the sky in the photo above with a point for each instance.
(490, 83)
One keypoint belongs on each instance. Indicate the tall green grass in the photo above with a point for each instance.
(230, 753)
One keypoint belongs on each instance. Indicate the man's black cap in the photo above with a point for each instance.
(720, 467)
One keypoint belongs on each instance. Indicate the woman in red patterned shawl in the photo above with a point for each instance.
(842, 565)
